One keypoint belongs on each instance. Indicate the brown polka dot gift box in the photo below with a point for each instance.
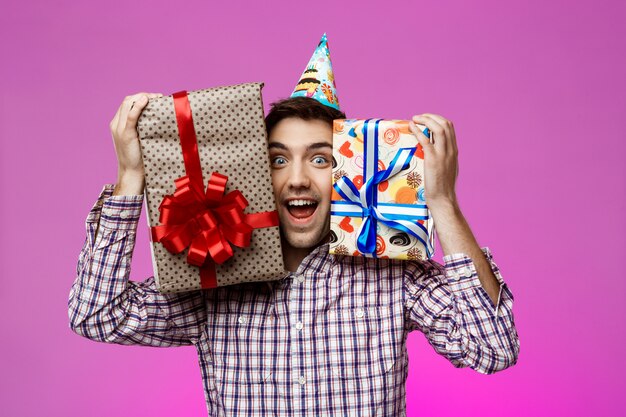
(378, 206)
(210, 204)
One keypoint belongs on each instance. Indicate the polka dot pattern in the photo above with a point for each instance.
(230, 130)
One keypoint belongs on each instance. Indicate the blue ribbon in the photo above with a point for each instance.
(364, 204)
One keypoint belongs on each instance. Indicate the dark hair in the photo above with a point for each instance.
(305, 108)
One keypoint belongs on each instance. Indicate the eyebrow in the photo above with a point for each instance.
(316, 145)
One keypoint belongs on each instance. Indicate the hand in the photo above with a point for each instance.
(440, 158)
(130, 176)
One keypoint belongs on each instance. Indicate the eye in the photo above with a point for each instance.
(320, 160)
(278, 161)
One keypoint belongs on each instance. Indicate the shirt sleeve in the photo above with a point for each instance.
(449, 305)
(104, 305)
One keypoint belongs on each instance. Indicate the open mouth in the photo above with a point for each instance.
(301, 209)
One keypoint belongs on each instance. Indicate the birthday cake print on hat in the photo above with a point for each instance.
(318, 80)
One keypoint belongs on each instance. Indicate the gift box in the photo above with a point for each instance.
(378, 206)
(208, 189)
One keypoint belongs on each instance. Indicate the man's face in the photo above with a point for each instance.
(301, 161)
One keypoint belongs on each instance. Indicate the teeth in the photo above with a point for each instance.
(301, 202)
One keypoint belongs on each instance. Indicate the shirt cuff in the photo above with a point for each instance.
(462, 278)
(118, 212)
(96, 209)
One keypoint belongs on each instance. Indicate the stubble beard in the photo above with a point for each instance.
(310, 239)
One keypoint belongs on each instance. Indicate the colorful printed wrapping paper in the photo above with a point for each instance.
(318, 79)
(378, 206)
(209, 196)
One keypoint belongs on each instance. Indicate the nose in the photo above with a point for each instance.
(298, 176)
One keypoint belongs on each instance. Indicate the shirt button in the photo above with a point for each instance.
(302, 380)
(359, 313)
(299, 325)
(242, 320)
(300, 279)
(107, 211)
(466, 272)
(125, 214)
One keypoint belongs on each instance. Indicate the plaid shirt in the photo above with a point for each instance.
(328, 339)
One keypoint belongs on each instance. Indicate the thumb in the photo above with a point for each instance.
(421, 137)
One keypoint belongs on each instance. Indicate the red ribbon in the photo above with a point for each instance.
(206, 221)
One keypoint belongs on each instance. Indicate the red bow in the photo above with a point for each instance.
(206, 222)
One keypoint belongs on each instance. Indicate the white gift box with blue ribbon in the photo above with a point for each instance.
(366, 217)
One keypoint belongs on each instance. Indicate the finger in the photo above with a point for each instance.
(439, 119)
(448, 126)
(137, 107)
(135, 111)
(424, 129)
(140, 98)
(154, 95)
(421, 138)
(127, 104)
(443, 135)
(438, 132)
(115, 120)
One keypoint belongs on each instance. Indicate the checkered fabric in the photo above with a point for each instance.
(326, 340)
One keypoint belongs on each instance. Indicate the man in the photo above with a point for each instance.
(329, 338)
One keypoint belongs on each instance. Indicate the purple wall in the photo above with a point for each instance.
(534, 88)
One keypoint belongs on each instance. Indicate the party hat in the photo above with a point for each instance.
(318, 80)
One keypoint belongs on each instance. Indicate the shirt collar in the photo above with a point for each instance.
(317, 263)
